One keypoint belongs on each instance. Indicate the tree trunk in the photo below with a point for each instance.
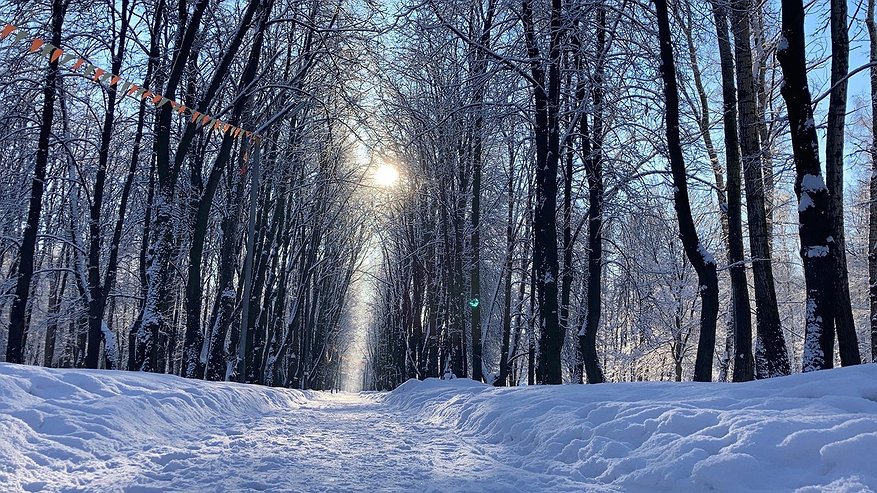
(17, 326)
(702, 261)
(480, 73)
(508, 267)
(153, 317)
(815, 223)
(592, 155)
(765, 120)
(546, 98)
(193, 363)
(55, 296)
(98, 293)
(223, 306)
(771, 357)
(744, 366)
(872, 212)
(847, 341)
(738, 339)
(245, 343)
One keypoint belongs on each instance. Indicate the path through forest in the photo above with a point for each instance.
(107, 431)
(336, 442)
(96, 430)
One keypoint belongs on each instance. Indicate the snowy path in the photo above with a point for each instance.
(344, 442)
(97, 431)
(120, 431)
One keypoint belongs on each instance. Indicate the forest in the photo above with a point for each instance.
(347, 194)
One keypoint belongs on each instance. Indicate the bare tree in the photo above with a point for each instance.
(25, 268)
(703, 262)
(872, 215)
(848, 344)
(816, 224)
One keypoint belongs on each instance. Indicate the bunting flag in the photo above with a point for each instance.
(127, 88)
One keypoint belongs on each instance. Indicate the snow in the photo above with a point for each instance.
(89, 430)
(782, 43)
(812, 183)
(816, 251)
(705, 254)
(112, 349)
(805, 202)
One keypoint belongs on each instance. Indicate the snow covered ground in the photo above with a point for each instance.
(77, 430)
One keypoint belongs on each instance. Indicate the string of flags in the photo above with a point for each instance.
(99, 75)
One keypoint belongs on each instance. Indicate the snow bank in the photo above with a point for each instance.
(88, 429)
(809, 433)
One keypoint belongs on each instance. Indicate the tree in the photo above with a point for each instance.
(546, 83)
(729, 198)
(771, 357)
(193, 365)
(872, 215)
(848, 344)
(592, 155)
(153, 318)
(98, 291)
(700, 258)
(479, 73)
(816, 224)
(25, 267)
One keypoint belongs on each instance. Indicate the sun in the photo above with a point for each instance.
(386, 175)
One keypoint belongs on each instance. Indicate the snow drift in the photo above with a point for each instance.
(87, 429)
(814, 432)
(81, 430)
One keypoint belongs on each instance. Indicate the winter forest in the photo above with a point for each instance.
(348, 194)
(365, 245)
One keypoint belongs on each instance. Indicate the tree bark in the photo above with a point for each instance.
(193, 363)
(508, 268)
(480, 74)
(55, 296)
(153, 317)
(739, 341)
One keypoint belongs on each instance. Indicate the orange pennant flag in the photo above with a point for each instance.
(7, 30)
(37, 43)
